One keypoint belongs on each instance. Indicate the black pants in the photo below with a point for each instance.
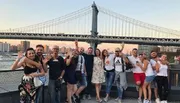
(163, 90)
(88, 89)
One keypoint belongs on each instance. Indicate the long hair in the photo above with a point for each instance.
(36, 59)
(103, 56)
(99, 52)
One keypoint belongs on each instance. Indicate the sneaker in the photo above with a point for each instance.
(106, 99)
(119, 101)
(145, 101)
(77, 99)
(157, 100)
(89, 97)
(165, 101)
(139, 100)
(84, 97)
(162, 102)
(150, 101)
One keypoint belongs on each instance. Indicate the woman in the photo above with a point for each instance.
(98, 74)
(162, 78)
(71, 63)
(28, 87)
(147, 68)
(108, 60)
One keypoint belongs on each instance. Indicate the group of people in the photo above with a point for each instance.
(81, 70)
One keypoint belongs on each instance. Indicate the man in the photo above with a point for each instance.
(120, 73)
(80, 76)
(40, 92)
(56, 71)
(89, 59)
(139, 75)
(153, 60)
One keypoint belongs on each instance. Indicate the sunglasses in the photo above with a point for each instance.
(117, 51)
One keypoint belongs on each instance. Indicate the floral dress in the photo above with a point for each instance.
(27, 88)
(98, 71)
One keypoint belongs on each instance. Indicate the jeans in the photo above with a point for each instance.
(109, 81)
(54, 94)
(163, 90)
(40, 95)
(121, 83)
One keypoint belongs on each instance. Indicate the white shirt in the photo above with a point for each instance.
(118, 64)
(153, 63)
(162, 70)
(80, 64)
(109, 62)
(149, 71)
(133, 60)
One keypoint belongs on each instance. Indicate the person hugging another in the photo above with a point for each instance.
(28, 84)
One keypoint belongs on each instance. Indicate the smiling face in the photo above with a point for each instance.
(98, 52)
(30, 53)
(39, 51)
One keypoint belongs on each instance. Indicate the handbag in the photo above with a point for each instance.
(37, 82)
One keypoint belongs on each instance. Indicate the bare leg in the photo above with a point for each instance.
(97, 91)
(149, 91)
(145, 90)
(69, 92)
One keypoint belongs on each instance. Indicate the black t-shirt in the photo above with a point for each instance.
(56, 66)
(89, 60)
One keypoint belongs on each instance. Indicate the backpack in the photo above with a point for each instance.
(128, 65)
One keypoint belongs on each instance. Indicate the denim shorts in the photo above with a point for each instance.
(149, 79)
(154, 83)
(83, 80)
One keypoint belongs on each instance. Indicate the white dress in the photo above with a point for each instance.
(98, 71)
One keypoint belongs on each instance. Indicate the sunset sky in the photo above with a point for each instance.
(20, 13)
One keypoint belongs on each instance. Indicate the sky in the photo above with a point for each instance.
(20, 13)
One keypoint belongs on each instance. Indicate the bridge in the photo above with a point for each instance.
(95, 24)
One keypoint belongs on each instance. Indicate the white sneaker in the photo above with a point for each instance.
(162, 102)
(165, 101)
(119, 101)
(106, 99)
(139, 100)
(157, 100)
(145, 101)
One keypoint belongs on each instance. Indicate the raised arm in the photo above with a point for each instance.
(31, 62)
(76, 45)
(122, 46)
(17, 63)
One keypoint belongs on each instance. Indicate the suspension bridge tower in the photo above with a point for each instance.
(94, 32)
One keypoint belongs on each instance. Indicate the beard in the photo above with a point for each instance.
(39, 53)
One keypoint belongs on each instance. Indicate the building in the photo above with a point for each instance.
(4, 47)
(145, 48)
(25, 45)
(1, 46)
(169, 48)
(14, 49)
(46, 48)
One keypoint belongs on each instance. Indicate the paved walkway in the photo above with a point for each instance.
(113, 101)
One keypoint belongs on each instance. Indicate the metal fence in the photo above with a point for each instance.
(10, 79)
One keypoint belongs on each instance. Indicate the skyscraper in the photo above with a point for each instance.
(25, 45)
(46, 48)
